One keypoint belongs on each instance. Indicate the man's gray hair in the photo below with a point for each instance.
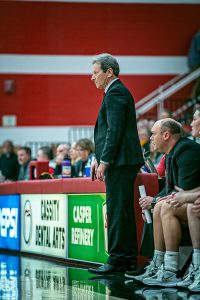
(172, 125)
(107, 61)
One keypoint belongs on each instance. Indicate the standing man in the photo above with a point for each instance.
(118, 160)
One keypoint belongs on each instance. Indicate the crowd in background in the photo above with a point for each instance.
(15, 165)
(15, 162)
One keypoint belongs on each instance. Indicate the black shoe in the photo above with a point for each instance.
(132, 268)
(107, 269)
(136, 272)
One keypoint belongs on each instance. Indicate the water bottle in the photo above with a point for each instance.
(87, 169)
(66, 168)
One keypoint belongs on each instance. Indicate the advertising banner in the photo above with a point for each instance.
(9, 277)
(87, 227)
(42, 280)
(43, 224)
(10, 222)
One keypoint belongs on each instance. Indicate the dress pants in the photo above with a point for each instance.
(122, 235)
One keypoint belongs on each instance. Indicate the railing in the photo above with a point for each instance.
(158, 96)
(73, 133)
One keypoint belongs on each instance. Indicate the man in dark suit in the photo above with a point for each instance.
(182, 169)
(118, 160)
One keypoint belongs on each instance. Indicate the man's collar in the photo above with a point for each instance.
(107, 87)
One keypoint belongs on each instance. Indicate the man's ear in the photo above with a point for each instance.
(166, 135)
(110, 72)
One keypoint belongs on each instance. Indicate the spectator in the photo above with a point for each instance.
(144, 137)
(183, 169)
(24, 158)
(62, 152)
(46, 153)
(194, 62)
(85, 149)
(8, 162)
(194, 52)
(165, 114)
(74, 154)
(155, 155)
(196, 125)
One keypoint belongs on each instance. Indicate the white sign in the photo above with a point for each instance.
(44, 224)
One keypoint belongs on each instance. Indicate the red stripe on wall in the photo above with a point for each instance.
(75, 28)
(64, 100)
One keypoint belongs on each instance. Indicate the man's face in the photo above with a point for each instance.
(196, 125)
(83, 153)
(156, 138)
(99, 77)
(7, 148)
(62, 150)
(41, 155)
(23, 157)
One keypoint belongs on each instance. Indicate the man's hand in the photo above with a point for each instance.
(100, 174)
(93, 170)
(145, 202)
(143, 217)
(180, 198)
(59, 158)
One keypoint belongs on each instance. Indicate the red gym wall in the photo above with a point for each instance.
(85, 29)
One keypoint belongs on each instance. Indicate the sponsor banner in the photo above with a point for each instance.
(43, 224)
(10, 222)
(9, 277)
(42, 280)
(87, 227)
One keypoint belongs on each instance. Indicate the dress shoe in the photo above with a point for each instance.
(132, 268)
(135, 271)
(107, 269)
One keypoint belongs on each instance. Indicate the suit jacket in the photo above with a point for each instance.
(184, 170)
(115, 136)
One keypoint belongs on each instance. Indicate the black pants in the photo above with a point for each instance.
(122, 235)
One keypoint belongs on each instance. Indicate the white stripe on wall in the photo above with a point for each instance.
(45, 134)
(78, 64)
(121, 1)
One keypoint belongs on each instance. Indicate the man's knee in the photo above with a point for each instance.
(189, 209)
(166, 210)
(179, 213)
(157, 210)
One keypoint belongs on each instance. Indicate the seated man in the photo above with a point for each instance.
(9, 166)
(192, 197)
(24, 158)
(183, 169)
(62, 152)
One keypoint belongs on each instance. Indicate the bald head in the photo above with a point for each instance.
(165, 134)
(171, 125)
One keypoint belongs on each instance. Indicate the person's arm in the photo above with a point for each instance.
(188, 169)
(93, 170)
(116, 120)
(182, 197)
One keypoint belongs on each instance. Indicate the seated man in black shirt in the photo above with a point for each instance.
(9, 166)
